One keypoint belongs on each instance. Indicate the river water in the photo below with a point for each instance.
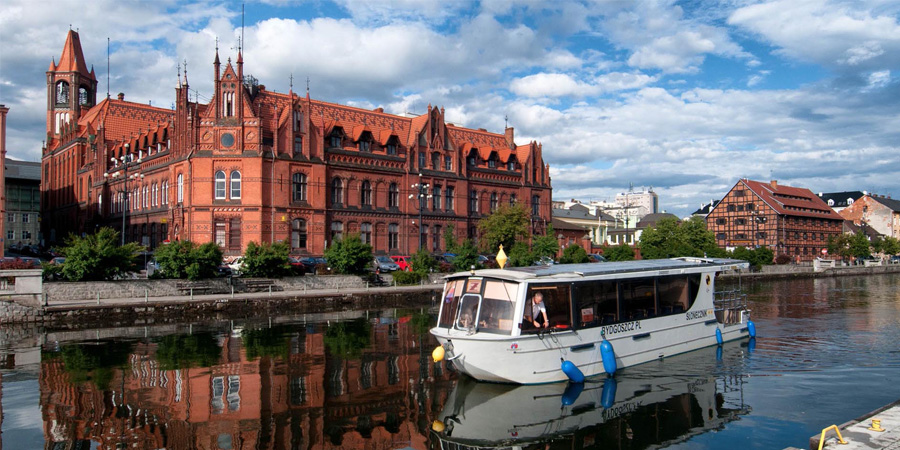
(825, 353)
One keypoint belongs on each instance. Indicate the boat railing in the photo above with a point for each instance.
(730, 299)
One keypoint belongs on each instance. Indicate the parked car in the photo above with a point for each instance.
(59, 260)
(488, 261)
(384, 263)
(404, 262)
(895, 259)
(596, 258)
(315, 264)
(544, 261)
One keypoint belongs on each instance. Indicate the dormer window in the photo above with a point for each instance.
(492, 161)
(365, 146)
(511, 164)
(830, 202)
(472, 159)
(365, 142)
(391, 148)
(336, 138)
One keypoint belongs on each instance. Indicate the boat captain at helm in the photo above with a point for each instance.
(538, 317)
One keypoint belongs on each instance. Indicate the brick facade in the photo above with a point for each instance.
(880, 213)
(255, 165)
(788, 220)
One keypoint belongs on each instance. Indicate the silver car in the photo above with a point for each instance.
(385, 264)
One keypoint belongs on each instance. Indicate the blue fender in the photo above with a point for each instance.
(719, 353)
(608, 397)
(573, 372)
(751, 345)
(609, 357)
(573, 390)
(751, 327)
(719, 339)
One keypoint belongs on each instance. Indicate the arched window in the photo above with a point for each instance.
(180, 188)
(337, 191)
(337, 231)
(365, 233)
(493, 201)
(235, 185)
(393, 196)
(220, 184)
(365, 194)
(299, 185)
(298, 233)
(83, 96)
(62, 92)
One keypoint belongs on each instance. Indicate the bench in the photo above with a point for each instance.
(374, 279)
(193, 287)
(256, 285)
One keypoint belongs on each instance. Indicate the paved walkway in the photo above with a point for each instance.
(57, 306)
(858, 435)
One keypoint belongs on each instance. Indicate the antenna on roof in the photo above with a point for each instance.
(242, 27)
(307, 85)
(292, 82)
(506, 121)
(107, 66)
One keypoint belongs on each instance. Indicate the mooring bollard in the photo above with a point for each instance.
(270, 290)
(146, 296)
(98, 297)
(232, 291)
(192, 293)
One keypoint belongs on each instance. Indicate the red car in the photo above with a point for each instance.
(404, 262)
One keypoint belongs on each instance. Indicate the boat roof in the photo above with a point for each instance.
(607, 268)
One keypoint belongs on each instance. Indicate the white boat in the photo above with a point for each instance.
(642, 409)
(602, 316)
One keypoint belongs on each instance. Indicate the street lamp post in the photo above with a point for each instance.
(421, 195)
(126, 159)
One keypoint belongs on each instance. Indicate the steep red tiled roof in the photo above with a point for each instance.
(72, 58)
(122, 120)
(791, 201)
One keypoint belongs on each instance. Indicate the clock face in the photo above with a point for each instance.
(227, 140)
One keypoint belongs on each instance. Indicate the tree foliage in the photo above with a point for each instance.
(758, 257)
(450, 239)
(507, 225)
(622, 252)
(347, 340)
(859, 245)
(546, 245)
(520, 255)
(98, 256)
(349, 255)
(887, 245)
(422, 262)
(574, 254)
(266, 260)
(184, 259)
(466, 256)
(670, 239)
(181, 351)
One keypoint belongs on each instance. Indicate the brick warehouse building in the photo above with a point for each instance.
(255, 165)
(789, 220)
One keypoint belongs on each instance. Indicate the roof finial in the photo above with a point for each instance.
(307, 85)
(292, 82)
(506, 121)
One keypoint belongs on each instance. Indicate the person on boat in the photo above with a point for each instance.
(538, 316)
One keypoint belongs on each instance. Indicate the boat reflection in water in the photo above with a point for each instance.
(645, 407)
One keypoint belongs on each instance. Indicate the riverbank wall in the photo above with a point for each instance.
(791, 271)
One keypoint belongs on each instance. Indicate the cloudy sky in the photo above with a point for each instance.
(683, 96)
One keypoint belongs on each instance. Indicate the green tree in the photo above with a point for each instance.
(274, 342)
(890, 245)
(858, 245)
(450, 239)
(763, 256)
(184, 259)
(696, 236)
(507, 225)
(266, 260)
(574, 254)
(349, 255)
(664, 241)
(466, 256)
(98, 256)
(546, 245)
(422, 262)
(520, 255)
(839, 245)
(95, 362)
(622, 252)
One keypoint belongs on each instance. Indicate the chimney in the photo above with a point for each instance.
(509, 137)
(774, 184)
(121, 96)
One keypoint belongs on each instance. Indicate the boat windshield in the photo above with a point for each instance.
(481, 304)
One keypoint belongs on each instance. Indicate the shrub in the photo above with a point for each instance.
(622, 252)
(783, 259)
(52, 271)
(184, 259)
(266, 260)
(98, 256)
(574, 254)
(466, 257)
(520, 255)
(422, 262)
(349, 255)
(407, 278)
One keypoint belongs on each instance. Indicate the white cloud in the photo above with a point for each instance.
(879, 79)
(862, 52)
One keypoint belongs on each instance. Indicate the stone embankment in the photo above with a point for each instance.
(141, 302)
(789, 271)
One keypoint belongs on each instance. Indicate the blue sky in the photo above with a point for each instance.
(686, 97)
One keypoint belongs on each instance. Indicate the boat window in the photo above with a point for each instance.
(556, 301)
(673, 295)
(497, 307)
(452, 291)
(468, 311)
(597, 303)
(638, 299)
(693, 288)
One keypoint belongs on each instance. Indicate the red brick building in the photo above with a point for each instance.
(789, 220)
(256, 165)
(877, 212)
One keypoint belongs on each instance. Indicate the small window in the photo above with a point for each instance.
(365, 233)
(298, 144)
(235, 185)
(365, 146)
(365, 194)
(180, 188)
(535, 205)
(730, 208)
(473, 201)
(393, 196)
(740, 236)
(298, 182)
(337, 231)
(449, 199)
(436, 161)
(335, 140)
(494, 201)
(298, 234)
(393, 236)
(421, 160)
(220, 185)
(512, 199)
(720, 236)
(391, 148)
(436, 199)
(740, 221)
(448, 163)
(337, 191)
(760, 234)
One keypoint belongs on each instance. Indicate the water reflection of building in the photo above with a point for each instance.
(301, 398)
